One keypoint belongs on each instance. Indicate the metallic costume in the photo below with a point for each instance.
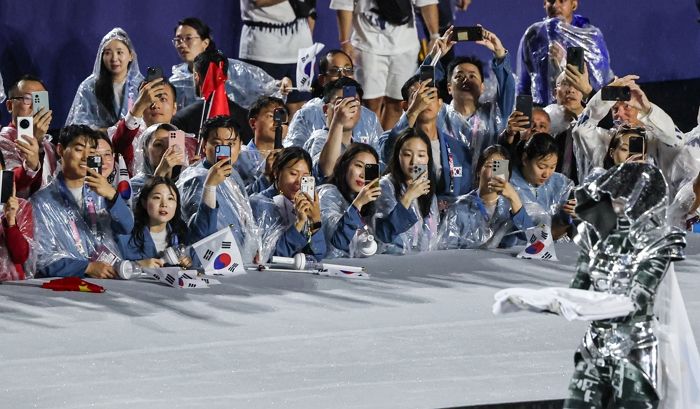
(627, 246)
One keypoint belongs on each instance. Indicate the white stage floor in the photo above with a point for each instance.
(419, 334)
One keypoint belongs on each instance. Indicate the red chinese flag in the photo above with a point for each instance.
(214, 90)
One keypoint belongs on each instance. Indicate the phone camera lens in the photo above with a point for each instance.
(24, 124)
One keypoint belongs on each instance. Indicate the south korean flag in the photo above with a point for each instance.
(219, 253)
(541, 245)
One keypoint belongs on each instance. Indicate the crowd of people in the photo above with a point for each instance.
(397, 161)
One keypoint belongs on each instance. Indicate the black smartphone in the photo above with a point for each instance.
(154, 73)
(371, 172)
(349, 91)
(523, 103)
(474, 33)
(636, 145)
(6, 184)
(95, 163)
(611, 93)
(222, 152)
(427, 72)
(280, 116)
(575, 57)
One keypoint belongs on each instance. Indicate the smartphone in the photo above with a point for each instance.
(177, 138)
(280, 114)
(154, 73)
(575, 57)
(418, 170)
(572, 195)
(222, 152)
(40, 99)
(308, 185)
(371, 172)
(349, 91)
(95, 163)
(611, 93)
(7, 181)
(636, 145)
(25, 129)
(500, 169)
(427, 72)
(523, 103)
(474, 33)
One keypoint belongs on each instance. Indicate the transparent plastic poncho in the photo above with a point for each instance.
(422, 236)
(468, 225)
(274, 216)
(245, 84)
(333, 208)
(86, 109)
(232, 201)
(537, 73)
(250, 165)
(311, 118)
(58, 220)
(543, 203)
(25, 222)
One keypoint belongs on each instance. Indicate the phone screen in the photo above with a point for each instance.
(6, 185)
(371, 172)
(474, 33)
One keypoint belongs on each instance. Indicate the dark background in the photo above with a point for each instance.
(57, 40)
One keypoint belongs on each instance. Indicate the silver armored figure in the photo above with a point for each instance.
(626, 246)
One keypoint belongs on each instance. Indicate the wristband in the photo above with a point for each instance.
(434, 36)
(344, 42)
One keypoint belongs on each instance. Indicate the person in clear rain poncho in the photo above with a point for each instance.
(16, 232)
(332, 66)
(107, 94)
(406, 218)
(289, 218)
(77, 214)
(543, 49)
(234, 208)
(543, 192)
(490, 215)
(348, 204)
(245, 82)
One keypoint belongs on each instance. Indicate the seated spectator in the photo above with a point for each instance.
(543, 192)
(245, 82)
(189, 118)
(342, 115)
(253, 165)
(663, 139)
(234, 207)
(347, 203)
(77, 214)
(106, 95)
(311, 117)
(15, 229)
(33, 162)
(488, 216)
(450, 157)
(158, 221)
(520, 128)
(406, 218)
(289, 219)
(159, 158)
(543, 49)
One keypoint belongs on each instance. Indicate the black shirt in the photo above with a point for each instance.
(188, 119)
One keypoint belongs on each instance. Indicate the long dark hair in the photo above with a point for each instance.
(397, 175)
(540, 145)
(339, 179)
(176, 226)
(491, 150)
(615, 142)
(104, 88)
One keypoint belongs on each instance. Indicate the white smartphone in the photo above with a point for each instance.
(25, 129)
(418, 170)
(308, 185)
(500, 169)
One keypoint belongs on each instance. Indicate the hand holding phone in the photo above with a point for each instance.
(636, 145)
(371, 172)
(154, 73)
(308, 186)
(349, 91)
(500, 169)
(575, 57)
(427, 72)
(418, 171)
(95, 163)
(523, 103)
(40, 99)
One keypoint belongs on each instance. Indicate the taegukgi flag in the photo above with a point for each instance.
(305, 66)
(219, 253)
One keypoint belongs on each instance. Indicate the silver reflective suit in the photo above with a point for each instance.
(626, 247)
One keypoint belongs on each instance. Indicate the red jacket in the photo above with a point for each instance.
(14, 246)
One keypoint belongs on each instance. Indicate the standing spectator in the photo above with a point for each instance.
(107, 94)
(384, 45)
(543, 49)
(273, 32)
